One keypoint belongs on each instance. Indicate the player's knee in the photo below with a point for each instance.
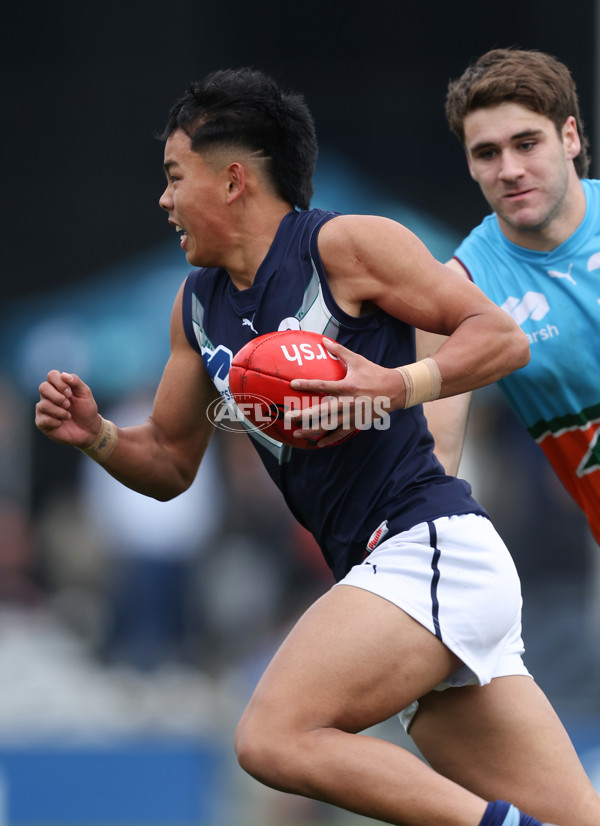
(265, 754)
(256, 754)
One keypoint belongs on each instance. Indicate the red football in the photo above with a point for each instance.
(260, 375)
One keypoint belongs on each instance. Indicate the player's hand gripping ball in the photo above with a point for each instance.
(260, 376)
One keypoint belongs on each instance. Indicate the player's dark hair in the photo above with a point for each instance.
(246, 109)
(531, 78)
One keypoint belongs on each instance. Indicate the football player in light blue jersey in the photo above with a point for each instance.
(537, 255)
(425, 618)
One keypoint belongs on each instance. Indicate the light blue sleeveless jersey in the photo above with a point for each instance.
(555, 297)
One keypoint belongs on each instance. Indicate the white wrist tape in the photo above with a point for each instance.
(423, 381)
(104, 444)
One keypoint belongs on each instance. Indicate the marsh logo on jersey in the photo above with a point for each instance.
(532, 305)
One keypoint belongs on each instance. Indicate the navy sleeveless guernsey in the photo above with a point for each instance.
(342, 493)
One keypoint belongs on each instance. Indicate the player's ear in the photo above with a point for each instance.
(236, 181)
(571, 138)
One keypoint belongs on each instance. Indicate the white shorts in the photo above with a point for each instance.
(456, 577)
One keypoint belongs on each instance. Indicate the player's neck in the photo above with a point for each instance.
(254, 238)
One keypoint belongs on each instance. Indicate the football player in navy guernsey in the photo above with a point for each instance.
(424, 620)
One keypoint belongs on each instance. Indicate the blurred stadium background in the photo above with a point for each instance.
(132, 633)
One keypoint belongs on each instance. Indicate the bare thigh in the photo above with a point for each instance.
(504, 740)
(353, 660)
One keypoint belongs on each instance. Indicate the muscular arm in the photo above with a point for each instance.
(371, 260)
(160, 457)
